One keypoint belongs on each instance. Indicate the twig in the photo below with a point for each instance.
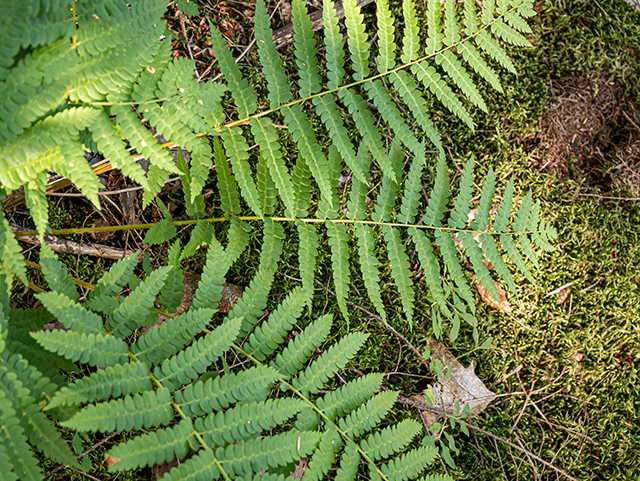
(528, 327)
(590, 287)
(65, 246)
(631, 120)
(556, 291)
(507, 375)
(522, 450)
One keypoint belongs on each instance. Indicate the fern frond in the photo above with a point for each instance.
(390, 440)
(267, 192)
(57, 276)
(205, 396)
(156, 447)
(333, 44)
(77, 170)
(257, 454)
(509, 34)
(93, 349)
(71, 314)
(409, 465)
(450, 64)
(436, 477)
(349, 462)
(451, 260)
(292, 358)
(150, 408)
(115, 381)
(209, 291)
(369, 415)
(476, 257)
(200, 236)
(19, 341)
(462, 204)
(348, 397)
(137, 304)
(302, 133)
(305, 50)
(434, 82)
(265, 134)
(171, 294)
(400, 270)
(266, 338)
(357, 39)
(198, 467)
(36, 201)
(246, 420)
(434, 40)
(18, 460)
(307, 254)
(324, 457)
(237, 149)
(172, 335)
(487, 43)
(11, 259)
(194, 360)
(331, 361)
(237, 240)
(160, 232)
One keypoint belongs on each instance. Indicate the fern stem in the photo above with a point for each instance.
(284, 382)
(236, 123)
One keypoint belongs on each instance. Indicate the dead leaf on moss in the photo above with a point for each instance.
(577, 356)
(459, 387)
(562, 296)
(504, 305)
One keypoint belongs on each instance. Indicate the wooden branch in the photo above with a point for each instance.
(72, 247)
(284, 36)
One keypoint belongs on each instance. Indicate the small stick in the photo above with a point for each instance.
(590, 287)
(556, 291)
(65, 246)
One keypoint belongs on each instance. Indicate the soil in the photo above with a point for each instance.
(592, 134)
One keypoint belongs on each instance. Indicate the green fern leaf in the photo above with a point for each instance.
(159, 343)
(521, 225)
(324, 457)
(205, 396)
(257, 454)
(18, 456)
(451, 260)
(434, 42)
(386, 38)
(77, 170)
(31, 319)
(114, 280)
(198, 467)
(12, 261)
(93, 349)
(246, 420)
(369, 415)
(476, 257)
(209, 291)
(413, 98)
(434, 82)
(279, 91)
(357, 39)
(335, 358)
(503, 216)
(409, 465)
(436, 477)
(238, 240)
(302, 133)
(494, 50)
(348, 397)
(305, 50)
(157, 447)
(509, 34)
(200, 236)
(36, 200)
(514, 254)
(299, 349)
(267, 192)
(39, 386)
(448, 61)
(390, 440)
(328, 112)
(171, 294)
(477, 63)
(237, 149)
(266, 338)
(366, 125)
(333, 45)
(412, 192)
(266, 135)
(411, 33)
(118, 380)
(481, 219)
(307, 254)
(150, 408)
(400, 269)
(56, 274)
(19, 341)
(243, 94)
(161, 232)
(138, 304)
(493, 254)
(302, 181)
(71, 314)
(462, 204)
(194, 360)
(349, 462)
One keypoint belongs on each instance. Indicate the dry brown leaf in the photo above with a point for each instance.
(111, 460)
(562, 296)
(461, 387)
(504, 305)
(577, 356)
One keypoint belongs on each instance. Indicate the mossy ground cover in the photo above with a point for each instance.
(568, 394)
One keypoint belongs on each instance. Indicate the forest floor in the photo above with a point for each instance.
(567, 127)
